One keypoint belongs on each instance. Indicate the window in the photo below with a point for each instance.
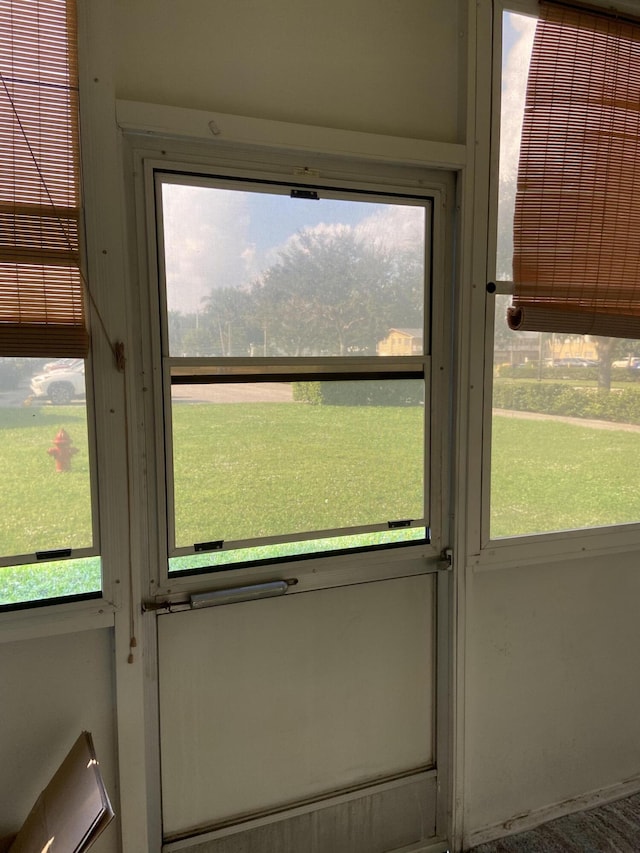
(566, 405)
(295, 367)
(47, 535)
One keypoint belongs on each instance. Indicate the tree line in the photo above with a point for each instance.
(327, 293)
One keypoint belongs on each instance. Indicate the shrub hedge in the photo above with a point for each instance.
(620, 404)
(531, 370)
(370, 392)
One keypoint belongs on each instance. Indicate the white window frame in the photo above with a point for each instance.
(329, 569)
(104, 264)
(484, 552)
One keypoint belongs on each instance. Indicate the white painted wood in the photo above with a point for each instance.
(58, 619)
(52, 689)
(168, 121)
(418, 790)
(293, 697)
(552, 700)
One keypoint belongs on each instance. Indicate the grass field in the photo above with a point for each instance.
(548, 476)
(41, 509)
(264, 469)
(301, 467)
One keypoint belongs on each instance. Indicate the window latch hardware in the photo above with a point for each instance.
(311, 194)
(445, 563)
(401, 522)
(209, 546)
(60, 554)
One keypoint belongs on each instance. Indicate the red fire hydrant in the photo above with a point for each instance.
(63, 451)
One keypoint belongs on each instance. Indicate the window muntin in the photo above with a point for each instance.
(291, 307)
(566, 411)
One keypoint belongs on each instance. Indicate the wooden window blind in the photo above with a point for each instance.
(577, 213)
(42, 311)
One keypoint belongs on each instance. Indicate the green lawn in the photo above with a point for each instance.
(263, 469)
(549, 476)
(260, 469)
(40, 508)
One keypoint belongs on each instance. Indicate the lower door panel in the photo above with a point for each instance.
(313, 714)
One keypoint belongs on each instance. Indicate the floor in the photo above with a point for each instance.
(613, 827)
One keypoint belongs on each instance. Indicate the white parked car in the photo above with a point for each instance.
(631, 362)
(59, 386)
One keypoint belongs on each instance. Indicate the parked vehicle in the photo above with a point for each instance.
(631, 362)
(60, 386)
(575, 362)
(63, 364)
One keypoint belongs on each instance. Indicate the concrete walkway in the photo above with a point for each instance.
(538, 416)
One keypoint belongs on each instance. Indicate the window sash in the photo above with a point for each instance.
(577, 217)
(190, 369)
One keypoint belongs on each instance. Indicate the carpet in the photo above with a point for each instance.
(613, 827)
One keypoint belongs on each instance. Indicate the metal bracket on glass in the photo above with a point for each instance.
(505, 287)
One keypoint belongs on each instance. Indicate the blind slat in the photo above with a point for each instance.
(42, 306)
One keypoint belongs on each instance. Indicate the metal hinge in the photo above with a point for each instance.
(446, 560)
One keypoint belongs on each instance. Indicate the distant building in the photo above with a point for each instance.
(401, 342)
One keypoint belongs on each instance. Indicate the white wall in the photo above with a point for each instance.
(382, 66)
(553, 697)
(51, 689)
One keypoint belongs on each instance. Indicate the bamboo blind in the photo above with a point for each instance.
(577, 215)
(41, 288)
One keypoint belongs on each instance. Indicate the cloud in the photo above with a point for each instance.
(514, 87)
(394, 227)
(205, 243)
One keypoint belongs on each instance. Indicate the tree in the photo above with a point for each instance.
(608, 350)
(331, 293)
(229, 315)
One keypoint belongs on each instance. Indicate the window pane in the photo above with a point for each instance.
(45, 500)
(566, 409)
(256, 460)
(264, 274)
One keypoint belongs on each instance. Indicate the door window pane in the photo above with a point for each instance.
(254, 460)
(295, 354)
(264, 274)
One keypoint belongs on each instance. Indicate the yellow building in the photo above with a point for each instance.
(401, 342)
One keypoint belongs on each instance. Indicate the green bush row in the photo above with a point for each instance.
(403, 392)
(531, 370)
(620, 404)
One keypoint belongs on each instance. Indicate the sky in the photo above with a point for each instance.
(225, 238)
(518, 32)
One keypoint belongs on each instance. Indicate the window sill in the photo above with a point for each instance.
(49, 621)
(555, 547)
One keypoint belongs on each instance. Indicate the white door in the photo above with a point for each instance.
(302, 599)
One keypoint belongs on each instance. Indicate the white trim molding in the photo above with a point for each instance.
(165, 121)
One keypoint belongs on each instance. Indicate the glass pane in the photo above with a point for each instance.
(45, 500)
(264, 274)
(275, 459)
(49, 579)
(566, 409)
